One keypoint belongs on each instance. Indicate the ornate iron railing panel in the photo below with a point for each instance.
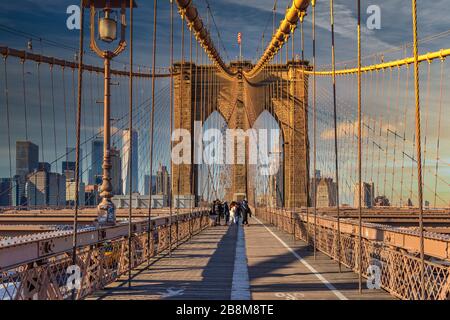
(400, 269)
(97, 264)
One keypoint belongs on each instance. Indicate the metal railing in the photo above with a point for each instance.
(56, 277)
(399, 269)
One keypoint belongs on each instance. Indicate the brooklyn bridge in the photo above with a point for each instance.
(116, 150)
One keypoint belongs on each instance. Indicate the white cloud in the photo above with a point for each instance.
(346, 129)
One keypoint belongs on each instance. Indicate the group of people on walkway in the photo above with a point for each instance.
(232, 213)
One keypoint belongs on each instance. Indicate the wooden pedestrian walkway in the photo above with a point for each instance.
(256, 262)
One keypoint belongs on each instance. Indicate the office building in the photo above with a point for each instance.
(36, 188)
(147, 185)
(69, 165)
(95, 172)
(27, 157)
(274, 194)
(44, 166)
(45, 188)
(92, 195)
(326, 193)
(18, 196)
(116, 172)
(5, 192)
(367, 195)
(68, 169)
(127, 137)
(71, 193)
(162, 181)
(313, 184)
(56, 189)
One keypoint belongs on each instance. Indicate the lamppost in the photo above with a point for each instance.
(106, 11)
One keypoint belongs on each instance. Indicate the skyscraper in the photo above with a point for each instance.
(367, 195)
(45, 166)
(116, 172)
(69, 165)
(45, 188)
(71, 193)
(127, 136)
(313, 185)
(5, 192)
(162, 181)
(27, 160)
(326, 193)
(147, 184)
(95, 173)
(36, 188)
(272, 194)
(92, 195)
(68, 169)
(18, 191)
(56, 189)
(27, 157)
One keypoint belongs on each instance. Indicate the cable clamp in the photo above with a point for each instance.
(293, 27)
(182, 12)
(441, 55)
(191, 25)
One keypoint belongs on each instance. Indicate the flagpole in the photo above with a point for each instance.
(239, 39)
(240, 51)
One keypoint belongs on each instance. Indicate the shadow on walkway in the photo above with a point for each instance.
(201, 269)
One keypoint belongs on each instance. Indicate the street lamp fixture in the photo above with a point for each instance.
(107, 27)
(107, 13)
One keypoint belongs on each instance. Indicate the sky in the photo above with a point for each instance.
(46, 19)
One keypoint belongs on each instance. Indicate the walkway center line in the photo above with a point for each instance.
(240, 289)
(307, 265)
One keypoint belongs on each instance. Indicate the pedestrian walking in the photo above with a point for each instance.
(213, 214)
(238, 214)
(233, 213)
(217, 208)
(226, 211)
(246, 212)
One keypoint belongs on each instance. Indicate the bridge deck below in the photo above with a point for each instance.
(259, 262)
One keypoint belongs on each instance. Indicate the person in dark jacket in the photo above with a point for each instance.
(226, 211)
(213, 214)
(246, 212)
(238, 211)
(218, 211)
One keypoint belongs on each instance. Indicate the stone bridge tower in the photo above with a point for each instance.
(282, 90)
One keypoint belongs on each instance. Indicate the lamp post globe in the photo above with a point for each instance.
(107, 27)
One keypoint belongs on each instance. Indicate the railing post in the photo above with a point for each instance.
(170, 237)
(293, 224)
(190, 226)
(178, 231)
